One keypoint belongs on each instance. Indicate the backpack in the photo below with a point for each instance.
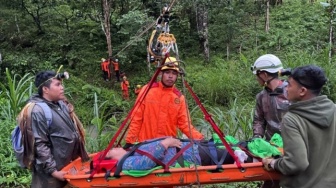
(18, 134)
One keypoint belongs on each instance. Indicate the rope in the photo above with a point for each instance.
(149, 27)
(137, 37)
(189, 125)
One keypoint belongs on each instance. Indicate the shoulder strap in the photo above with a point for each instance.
(47, 111)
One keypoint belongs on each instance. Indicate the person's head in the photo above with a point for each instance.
(49, 85)
(266, 68)
(305, 82)
(170, 71)
(124, 78)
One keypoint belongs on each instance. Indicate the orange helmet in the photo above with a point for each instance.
(171, 63)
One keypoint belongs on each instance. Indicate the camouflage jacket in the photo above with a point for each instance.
(270, 108)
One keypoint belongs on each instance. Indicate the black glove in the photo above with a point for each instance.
(127, 145)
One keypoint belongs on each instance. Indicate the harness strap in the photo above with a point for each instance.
(213, 155)
(213, 151)
(222, 161)
(178, 154)
(131, 152)
(180, 159)
(157, 161)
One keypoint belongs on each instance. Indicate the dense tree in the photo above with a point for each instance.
(36, 9)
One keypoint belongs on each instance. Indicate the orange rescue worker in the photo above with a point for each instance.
(116, 69)
(137, 90)
(163, 111)
(105, 66)
(124, 87)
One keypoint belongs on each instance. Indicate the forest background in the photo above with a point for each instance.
(218, 41)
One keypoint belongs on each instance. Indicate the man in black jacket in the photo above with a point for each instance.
(56, 143)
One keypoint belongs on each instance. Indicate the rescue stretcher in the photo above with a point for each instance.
(82, 174)
(85, 174)
(78, 175)
(98, 172)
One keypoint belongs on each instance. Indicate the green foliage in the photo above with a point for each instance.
(15, 93)
(104, 125)
(17, 90)
(221, 81)
(11, 175)
(235, 120)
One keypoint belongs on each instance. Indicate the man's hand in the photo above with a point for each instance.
(267, 163)
(171, 142)
(59, 175)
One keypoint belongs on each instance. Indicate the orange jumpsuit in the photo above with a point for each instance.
(124, 88)
(105, 66)
(116, 70)
(162, 112)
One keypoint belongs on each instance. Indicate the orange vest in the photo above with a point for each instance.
(105, 66)
(162, 112)
(124, 85)
(115, 65)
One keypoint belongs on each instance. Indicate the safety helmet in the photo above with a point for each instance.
(170, 63)
(116, 60)
(269, 63)
(103, 59)
(124, 77)
(138, 86)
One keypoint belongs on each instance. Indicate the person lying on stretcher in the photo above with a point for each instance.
(162, 151)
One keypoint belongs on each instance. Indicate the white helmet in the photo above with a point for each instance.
(269, 63)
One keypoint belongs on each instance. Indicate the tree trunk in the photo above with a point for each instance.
(227, 51)
(202, 29)
(17, 27)
(106, 24)
(267, 21)
(331, 31)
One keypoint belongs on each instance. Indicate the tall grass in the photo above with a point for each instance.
(17, 90)
(13, 97)
(236, 120)
(103, 125)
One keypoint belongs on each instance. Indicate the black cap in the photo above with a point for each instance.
(310, 76)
